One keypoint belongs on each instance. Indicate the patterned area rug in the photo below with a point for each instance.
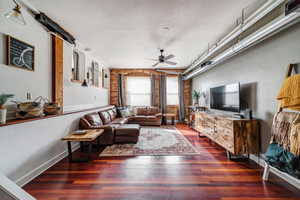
(154, 141)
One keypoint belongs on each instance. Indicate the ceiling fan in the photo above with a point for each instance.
(164, 59)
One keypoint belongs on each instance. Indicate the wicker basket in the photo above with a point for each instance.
(52, 109)
(29, 110)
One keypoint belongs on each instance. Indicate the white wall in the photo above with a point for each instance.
(18, 81)
(29, 148)
(261, 71)
(78, 97)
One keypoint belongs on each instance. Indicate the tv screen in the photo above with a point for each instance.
(226, 97)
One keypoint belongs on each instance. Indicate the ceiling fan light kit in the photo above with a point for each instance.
(164, 59)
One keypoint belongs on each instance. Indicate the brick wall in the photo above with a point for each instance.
(146, 72)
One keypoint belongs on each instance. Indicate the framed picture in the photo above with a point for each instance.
(96, 74)
(20, 54)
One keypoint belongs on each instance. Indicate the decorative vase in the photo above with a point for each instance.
(196, 102)
(3, 112)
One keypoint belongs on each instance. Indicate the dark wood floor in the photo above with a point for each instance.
(209, 176)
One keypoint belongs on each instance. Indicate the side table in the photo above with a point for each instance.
(89, 136)
(172, 115)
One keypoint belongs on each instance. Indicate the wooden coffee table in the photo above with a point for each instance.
(89, 136)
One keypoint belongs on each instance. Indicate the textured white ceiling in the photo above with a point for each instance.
(128, 33)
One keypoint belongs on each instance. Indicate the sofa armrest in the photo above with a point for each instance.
(84, 124)
(159, 115)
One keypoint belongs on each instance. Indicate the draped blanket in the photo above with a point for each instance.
(289, 94)
(286, 131)
(284, 150)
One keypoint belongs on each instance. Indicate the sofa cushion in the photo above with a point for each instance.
(114, 109)
(141, 111)
(119, 111)
(112, 114)
(119, 121)
(129, 130)
(151, 119)
(105, 116)
(94, 119)
(138, 118)
(153, 110)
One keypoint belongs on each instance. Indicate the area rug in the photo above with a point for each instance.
(154, 141)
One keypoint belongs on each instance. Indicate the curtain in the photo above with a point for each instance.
(121, 91)
(181, 98)
(163, 93)
(153, 94)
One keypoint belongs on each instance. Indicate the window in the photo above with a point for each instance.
(138, 91)
(172, 91)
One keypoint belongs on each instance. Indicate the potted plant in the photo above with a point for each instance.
(3, 110)
(196, 96)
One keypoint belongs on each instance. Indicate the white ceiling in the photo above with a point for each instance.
(127, 33)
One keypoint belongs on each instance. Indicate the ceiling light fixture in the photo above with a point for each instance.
(15, 14)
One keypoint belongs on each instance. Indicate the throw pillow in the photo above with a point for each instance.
(125, 113)
(131, 110)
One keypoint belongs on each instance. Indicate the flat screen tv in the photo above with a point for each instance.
(226, 97)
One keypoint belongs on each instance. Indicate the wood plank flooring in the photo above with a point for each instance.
(209, 176)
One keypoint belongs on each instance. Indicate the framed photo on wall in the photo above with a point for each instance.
(96, 73)
(20, 54)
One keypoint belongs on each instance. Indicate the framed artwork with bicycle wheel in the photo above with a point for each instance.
(20, 54)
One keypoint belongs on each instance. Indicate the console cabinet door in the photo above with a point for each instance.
(246, 137)
(225, 134)
(199, 122)
(204, 123)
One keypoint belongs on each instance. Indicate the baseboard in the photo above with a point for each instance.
(43, 167)
(286, 177)
(12, 191)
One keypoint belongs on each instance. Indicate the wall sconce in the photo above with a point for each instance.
(15, 14)
(105, 76)
(85, 82)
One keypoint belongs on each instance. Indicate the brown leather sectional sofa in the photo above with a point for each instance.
(146, 116)
(115, 130)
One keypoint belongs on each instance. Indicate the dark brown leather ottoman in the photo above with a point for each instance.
(127, 133)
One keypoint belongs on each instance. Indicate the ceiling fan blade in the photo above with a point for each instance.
(152, 59)
(170, 63)
(155, 64)
(169, 57)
